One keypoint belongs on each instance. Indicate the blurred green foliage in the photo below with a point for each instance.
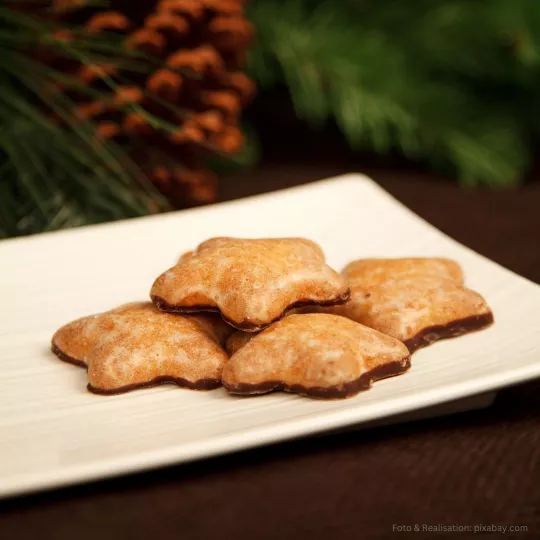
(452, 82)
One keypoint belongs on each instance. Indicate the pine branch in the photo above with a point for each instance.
(53, 177)
(431, 79)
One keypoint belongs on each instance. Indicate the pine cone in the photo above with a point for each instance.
(187, 105)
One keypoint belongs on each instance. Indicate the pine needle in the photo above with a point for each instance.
(437, 80)
(51, 176)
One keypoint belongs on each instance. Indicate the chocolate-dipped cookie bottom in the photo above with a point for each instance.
(65, 358)
(246, 325)
(201, 384)
(454, 329)
(348, 390)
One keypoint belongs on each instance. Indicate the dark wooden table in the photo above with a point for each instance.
(475, 468)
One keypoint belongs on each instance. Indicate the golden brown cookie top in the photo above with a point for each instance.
(414, 300)
(239, 338)
(185, 256)
(138, 345)
(251, 282)
(318, 355)
(371, 270)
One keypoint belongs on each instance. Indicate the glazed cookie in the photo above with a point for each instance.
(237, 340)
(317, 355)
(417, 301)
(252, 283)
(373, 270)
(185, 256)
(136, 345)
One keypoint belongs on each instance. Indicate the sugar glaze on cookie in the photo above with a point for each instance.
(252, 283)
(417, 301)
(316, 355)
(136, 345)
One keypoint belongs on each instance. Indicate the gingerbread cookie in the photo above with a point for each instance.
(252, 283)
(417, 301)
(373, 270)
(136, 345)
(317, 355)
(185, 256)
(237, 340)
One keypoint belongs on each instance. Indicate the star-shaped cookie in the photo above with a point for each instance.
(417, 301)
(136, 345)
(252, 283)
(317, 355)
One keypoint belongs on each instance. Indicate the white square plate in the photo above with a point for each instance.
(53, 432)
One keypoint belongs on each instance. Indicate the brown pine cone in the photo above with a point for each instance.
(170, 25)
(203, 61)
(177, 87)
(109, 21)
(147, 41)
(166, 84)
(137, 126)
(230, 33)
(191, 9)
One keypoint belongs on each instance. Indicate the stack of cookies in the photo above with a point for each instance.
(269, 314)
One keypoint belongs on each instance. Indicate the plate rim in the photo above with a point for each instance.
(272, 433)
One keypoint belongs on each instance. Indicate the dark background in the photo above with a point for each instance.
(479, 467)
(502, 224)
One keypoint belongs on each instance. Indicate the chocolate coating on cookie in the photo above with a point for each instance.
(417, 301)
(137, 346)
(450, 330)
(347, 390)
(252, 283)
(317, 355)
(246, 325)
(202, 384)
